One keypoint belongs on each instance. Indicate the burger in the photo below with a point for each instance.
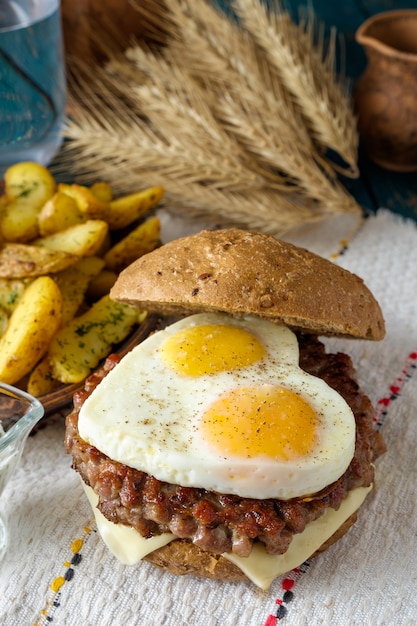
(229, 443)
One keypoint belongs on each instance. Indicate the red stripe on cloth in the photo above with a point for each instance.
(381, 413)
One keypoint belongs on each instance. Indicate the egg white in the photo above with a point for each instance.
(145, 415)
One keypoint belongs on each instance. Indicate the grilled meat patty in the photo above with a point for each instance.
(219, 522)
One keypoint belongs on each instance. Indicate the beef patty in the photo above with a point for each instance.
(214, 521)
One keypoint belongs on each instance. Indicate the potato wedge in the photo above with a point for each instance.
(89, 203)
(31, 326)
(78, 347)
(40, 380)
(101, 284)
(59, 213)
(28, 186)
(73, 283)
(31, 181)
(62, 233)
(19, 222)
(142, 239)
(19, 260)
(118, 213)
(82, 239)
(11, 289)
(102, 191)
(3, 202)
(127, 209)
(4, 321)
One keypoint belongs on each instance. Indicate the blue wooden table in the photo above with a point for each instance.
(376, 187)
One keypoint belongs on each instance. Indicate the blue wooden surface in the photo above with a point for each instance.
(376, 187)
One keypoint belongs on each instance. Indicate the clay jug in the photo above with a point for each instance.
(386, 93)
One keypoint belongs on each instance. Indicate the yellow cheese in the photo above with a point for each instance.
(129, 547)
(262, 568)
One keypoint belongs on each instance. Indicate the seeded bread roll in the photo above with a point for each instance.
(247, 273)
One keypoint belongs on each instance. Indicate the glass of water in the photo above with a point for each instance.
(32, 81)
(19, 412)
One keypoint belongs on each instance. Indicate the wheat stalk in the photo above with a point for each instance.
(135, 154)
(292, 55)
(249, 102)
(206, 118)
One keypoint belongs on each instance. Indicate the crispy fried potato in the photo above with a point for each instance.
(28, 186)
(62, 233)
(29, 180)
(101, 284)
(142, 239)
(11, 290)
(89, 203)
(78, 347)
(19, 260)
(105, 246)
(82, 239)
(3, 202)
(73, 283)
(102, 191)
(40, 380)
(4, 321)
(31, 327)
(127, 209)
(118, 213)
(60, 212)
(19, 222)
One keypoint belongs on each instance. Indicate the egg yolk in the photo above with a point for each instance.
(261, 420)
(211, 348)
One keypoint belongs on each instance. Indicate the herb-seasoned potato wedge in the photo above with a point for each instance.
(20, 221)
(29, 180)
(59, 213)
(127, 209)
(91, 204)
(11, 290)
(118, 213)
(82, 239)
(40, 379)
(78, 347)
(73, 283)
(138, 242)
(19, 260)
(101, 284)
(77, 238)
(102, 191)
(31, 326)
(28, 186)
(4, 321)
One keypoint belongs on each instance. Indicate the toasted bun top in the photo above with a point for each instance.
(247, 273)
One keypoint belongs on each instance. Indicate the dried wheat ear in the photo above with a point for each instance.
(233, 120)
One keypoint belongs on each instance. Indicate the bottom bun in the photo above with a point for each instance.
(182, 557)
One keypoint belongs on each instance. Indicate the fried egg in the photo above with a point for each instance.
(221, 403)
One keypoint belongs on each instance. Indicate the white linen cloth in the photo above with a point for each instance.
(58, 571)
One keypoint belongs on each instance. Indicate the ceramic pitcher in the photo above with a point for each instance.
(386, 93)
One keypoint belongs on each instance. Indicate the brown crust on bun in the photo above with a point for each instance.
(246, 273)
(182, 557)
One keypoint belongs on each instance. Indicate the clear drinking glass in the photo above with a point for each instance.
(19, 412)
(32, 81)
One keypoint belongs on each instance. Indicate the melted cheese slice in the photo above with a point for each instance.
(129, 547)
